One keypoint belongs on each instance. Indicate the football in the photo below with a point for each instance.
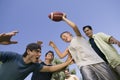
(56, 16)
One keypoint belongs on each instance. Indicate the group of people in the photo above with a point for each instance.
(96, 59)
(17, 67)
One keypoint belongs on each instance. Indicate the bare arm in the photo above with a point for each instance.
(56, 67)
(112, 40)
(72, 25)
(61, 55)
(5, 38)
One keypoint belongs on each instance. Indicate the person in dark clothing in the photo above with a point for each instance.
(17, 67)
(49, 56)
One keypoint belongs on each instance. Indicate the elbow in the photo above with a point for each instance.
(61, 57)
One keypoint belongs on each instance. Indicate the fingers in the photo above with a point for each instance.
(39, 42)
(2, 34)
(13, 33)
(50, 43)
(118, 44)
(13, 42)
(7, 43)
(64, 16)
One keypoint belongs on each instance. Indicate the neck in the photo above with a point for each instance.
(48, 61)
(26, 60)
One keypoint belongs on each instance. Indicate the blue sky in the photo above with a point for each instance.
(30, 18)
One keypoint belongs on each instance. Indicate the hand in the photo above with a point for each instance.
(69, 60)
(5, 38)
(64, 16)
(118, 43)
(114, 41)
(52, 44)
(39, 42)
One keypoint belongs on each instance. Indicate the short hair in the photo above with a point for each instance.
(50, 52)
(67, 69)
(87, 26)
(65, 32)
(31, 46)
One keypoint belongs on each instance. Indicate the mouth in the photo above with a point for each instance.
(37, 59)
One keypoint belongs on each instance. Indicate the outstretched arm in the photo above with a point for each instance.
(61, 55)
(57, 67)
(5, 38)
(72, 25)
(112, 40)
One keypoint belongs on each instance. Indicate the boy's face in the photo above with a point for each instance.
(66, 37)
(34, 55)
(49, 56)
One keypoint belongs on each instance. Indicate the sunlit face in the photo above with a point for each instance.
(88, 32)
(49, 56)
(66, 37)
(34, 55)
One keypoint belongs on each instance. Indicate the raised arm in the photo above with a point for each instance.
(5, 38)
(72, 25)
(61, 55)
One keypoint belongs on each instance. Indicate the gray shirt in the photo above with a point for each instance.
(82, 52)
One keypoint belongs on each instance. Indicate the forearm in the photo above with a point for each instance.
(73, 26)
(70, 23)
(55, 68)
(58, 52)
(59, 67)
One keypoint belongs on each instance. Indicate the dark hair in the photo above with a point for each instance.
(67, 69)
(50, 52)
(64, 32)
(31, 46)
(87, 26)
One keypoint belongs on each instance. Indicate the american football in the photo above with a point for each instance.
(56, 16)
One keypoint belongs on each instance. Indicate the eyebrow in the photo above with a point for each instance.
(37, 50)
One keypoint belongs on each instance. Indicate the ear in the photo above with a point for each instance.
(28, 51)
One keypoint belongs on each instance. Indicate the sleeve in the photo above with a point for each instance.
(104, 36)
(6, 56)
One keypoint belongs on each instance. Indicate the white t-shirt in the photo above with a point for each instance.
(82, 52)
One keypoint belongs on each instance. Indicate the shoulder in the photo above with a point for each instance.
(38, 66)
(99, 33)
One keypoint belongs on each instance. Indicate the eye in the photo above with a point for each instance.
(38, 51)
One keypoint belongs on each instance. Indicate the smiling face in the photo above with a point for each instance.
(66, 37)
(49, 56)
